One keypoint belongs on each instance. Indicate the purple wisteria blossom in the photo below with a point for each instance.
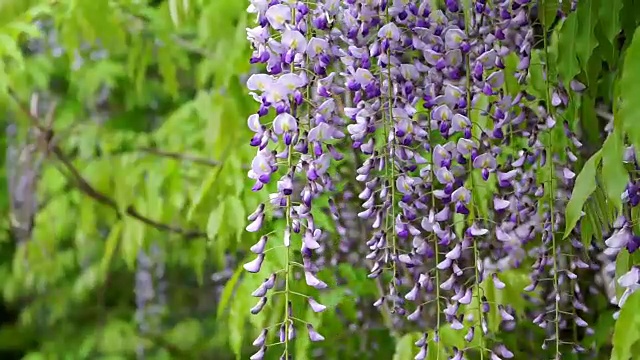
(458, 179)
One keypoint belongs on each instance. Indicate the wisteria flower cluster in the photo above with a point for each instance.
(457, 174)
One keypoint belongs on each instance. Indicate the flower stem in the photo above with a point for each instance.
(471, 217)
(436, 249)
(550, 194)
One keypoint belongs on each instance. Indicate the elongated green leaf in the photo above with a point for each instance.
(132, 240)
(236, 214)
(511, 85)
(215, 220)
(629, 16)
(628, 105)
(568, 65)
(609, 19)
(622, 266)
(627, 329)
(549, 10)
(585, 41)
(202, 192)
(584, 186)
(228, 291)
(110, 245)
(405, 349)
(615, 177)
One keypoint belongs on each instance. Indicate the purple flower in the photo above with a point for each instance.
(313, 281)
(313, 334)
(260, 340)
(316, 306)
(453, 38)
(254, 265)
(278, 15)
(259, 247)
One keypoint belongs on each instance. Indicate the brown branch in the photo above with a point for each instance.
(85, 187)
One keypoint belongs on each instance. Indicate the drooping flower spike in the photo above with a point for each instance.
(453, 181)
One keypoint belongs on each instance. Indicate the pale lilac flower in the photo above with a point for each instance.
(278, 15)
(254, 265)
(313, 334)
(315, 306)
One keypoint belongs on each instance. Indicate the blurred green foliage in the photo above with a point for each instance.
(150, 107)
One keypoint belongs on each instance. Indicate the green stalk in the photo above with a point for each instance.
(436, 250)
(471, 217)
(390, 162)
(550, 193)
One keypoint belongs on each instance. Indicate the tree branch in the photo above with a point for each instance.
(85, 187)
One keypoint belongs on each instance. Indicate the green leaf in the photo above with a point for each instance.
(512, 87)
(609, 19)
(602, 330)
(622, 267)
(479, 116)
(585, 41)
(586, 227)
(627, 329)
(35, 356)
(628, 106)
(239, 313)
(110, 246)
(629, 16)
(186, 334)
(405, 348)
(228, 291)
(536, 84)
(214, 222)
(584, 186)
(132, 240)
(615, 177)
(568, 65)
(235, 209)
(174, 12)
(548, 13)
(202, 192)
(589, 120)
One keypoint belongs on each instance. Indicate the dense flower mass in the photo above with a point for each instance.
(458, 174)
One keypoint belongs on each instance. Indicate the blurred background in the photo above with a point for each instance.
(123, 196)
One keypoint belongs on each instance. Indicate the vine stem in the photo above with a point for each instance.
(467, 26)
(287, 266)
(391, 153)
(287, 230)
(436, 249)
(550, 193)
(387, 123)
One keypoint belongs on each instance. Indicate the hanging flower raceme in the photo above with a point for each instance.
(459, 177)
(294, 148)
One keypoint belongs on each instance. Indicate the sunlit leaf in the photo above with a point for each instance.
(585, 41)
(215, 221)
(616, 176)
(110, 245)
(548, 10)
(628, 106)
(627, 329)
(405, 349)
(585, 185)
(568, 64)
